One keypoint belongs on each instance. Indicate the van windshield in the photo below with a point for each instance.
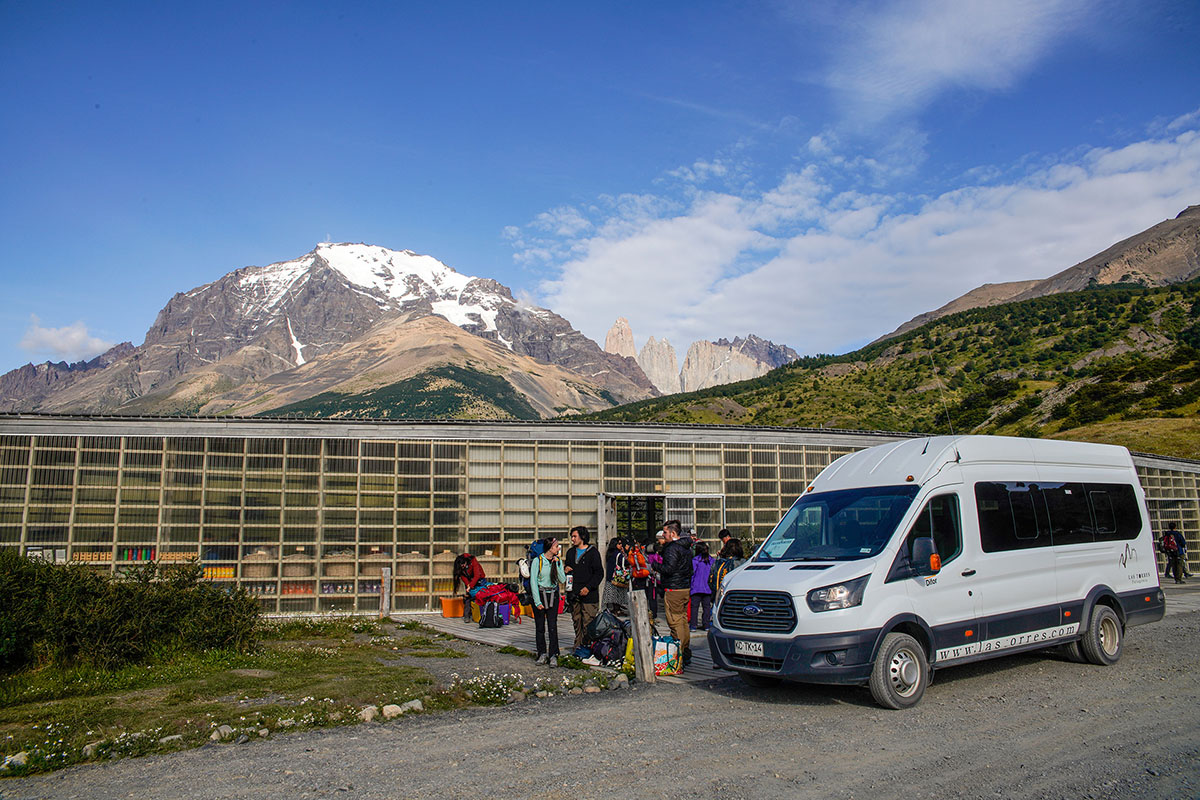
(845, 525)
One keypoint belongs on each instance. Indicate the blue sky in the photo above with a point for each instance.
(813, 172)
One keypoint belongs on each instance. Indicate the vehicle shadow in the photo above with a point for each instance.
(820, 695)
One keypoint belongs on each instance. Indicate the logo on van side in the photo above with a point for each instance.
(1129, 555)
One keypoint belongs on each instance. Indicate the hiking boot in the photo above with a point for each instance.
(554, 661)
(542, 659)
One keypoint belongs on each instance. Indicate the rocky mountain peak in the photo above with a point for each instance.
(619, 340)
(659, 362)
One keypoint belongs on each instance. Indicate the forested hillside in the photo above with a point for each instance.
(1118, 364)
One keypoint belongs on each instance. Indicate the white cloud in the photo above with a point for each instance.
(824, 271)
(68, 343)
(892, 61)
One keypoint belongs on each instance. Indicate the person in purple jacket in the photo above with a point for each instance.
(701, 592)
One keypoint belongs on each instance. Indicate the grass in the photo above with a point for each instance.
(305, 673)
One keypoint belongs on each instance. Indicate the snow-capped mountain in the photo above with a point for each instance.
(260, 321)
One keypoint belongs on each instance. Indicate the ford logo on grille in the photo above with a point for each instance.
(751, 611)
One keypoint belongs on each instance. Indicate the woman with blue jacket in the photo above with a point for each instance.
(546, 574)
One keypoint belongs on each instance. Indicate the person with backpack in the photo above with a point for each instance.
(545, 575)
(467, 573)
(1174, 546)
(676, 571)
(729, 559)
(701, 608)
(616, 572)
(585, 571)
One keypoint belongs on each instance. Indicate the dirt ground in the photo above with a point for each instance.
(1028, 726)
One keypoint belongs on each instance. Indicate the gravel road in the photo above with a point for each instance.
(1028, 726)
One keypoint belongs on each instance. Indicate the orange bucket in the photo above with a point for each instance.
(452, 607)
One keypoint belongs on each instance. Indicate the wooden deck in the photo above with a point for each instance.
(523, 635)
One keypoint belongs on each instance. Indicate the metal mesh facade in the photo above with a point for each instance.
(306, 515)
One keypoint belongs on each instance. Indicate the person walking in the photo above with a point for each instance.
(701, 608)
(1174, 546)
(676, 571)
(545, 576)
(585, 571)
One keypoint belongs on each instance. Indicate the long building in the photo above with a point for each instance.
(306, 514)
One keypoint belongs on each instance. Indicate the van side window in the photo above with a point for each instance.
(1070, 519)
(1016, 515)
(1012, 516)
(939, 519)
(1116, 509)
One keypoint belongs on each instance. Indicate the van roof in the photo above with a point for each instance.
(891, 464)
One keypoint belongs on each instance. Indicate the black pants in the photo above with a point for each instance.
(547, 622)
(701, 611)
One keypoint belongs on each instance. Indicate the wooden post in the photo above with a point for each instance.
(643, 637)
(385, 593)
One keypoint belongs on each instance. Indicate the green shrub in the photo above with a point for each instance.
(68, 614)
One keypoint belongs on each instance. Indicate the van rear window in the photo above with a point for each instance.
(1017, 515)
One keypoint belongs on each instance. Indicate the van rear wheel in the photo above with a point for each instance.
(901, 672)
(1101, 643)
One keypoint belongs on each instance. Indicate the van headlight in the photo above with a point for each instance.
(841, 595)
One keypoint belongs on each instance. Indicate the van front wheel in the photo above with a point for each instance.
(901, 672)
(1102, 640)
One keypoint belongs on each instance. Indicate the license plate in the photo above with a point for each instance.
(748, 648)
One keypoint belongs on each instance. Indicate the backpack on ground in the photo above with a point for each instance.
(604, 623)
(638, 568)
(489, 615)
(611, 649)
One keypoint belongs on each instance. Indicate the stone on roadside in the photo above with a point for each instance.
(263, 733)
(91, 749)
(369, 713)
(287, 723)
(593, 689)
(221, 734)
(16, 760)
(621, 681)
(576, 690)
(543, 693)
(391, 711)
(416, 706)
(175, 737)
(516, 697)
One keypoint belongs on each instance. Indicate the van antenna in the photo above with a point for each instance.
(926, 447)
(941, 393)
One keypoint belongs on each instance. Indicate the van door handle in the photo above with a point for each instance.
(968, 573)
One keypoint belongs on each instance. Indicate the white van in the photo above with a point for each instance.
(908, 557)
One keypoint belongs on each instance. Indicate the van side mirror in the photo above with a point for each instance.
(925, 558)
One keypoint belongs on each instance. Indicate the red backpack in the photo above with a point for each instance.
(638, 567)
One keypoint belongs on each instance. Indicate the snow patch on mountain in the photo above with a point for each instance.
(389, 277)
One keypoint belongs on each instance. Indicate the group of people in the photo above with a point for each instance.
(1174, 547)
(681, 574)
(675, 569)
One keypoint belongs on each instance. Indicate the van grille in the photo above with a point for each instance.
(754, 662)
(776, 612)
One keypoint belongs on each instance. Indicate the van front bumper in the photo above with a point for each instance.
(835, 658)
